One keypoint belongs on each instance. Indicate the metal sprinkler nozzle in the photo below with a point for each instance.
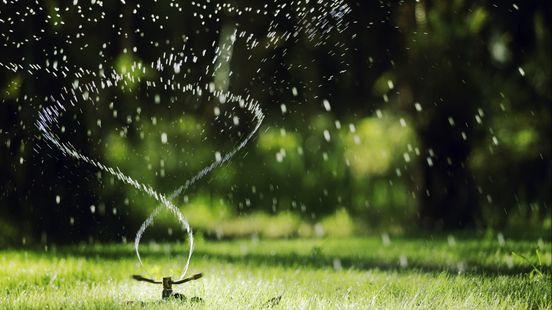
(168, 283)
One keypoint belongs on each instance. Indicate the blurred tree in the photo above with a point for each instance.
(452, 75)
(471, 77)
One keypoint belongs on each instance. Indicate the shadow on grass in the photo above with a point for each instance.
(360, 263)
(316, 259)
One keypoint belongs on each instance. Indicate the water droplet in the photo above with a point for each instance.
(327, 135)
(403, 261)
(327, 105)
(521, 71)
(451, 241)
(385, 239)
(294, 92)
(429, 161)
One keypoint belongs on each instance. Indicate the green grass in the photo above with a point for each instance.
(356, 273)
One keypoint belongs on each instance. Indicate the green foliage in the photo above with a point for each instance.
(339, 225)
(9, 235)
(12, 87)
(466, 81)
(536, 271)
(377, 146)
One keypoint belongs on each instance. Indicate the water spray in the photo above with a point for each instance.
(317, 23)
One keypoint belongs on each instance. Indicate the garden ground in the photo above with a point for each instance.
(361, 272)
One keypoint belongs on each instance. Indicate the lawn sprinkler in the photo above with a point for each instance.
(167, 286)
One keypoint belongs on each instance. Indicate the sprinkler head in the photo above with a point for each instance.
(167, 284)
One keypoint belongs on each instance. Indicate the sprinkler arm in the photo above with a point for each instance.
(140, 278)
(143, 279)
(194, 277)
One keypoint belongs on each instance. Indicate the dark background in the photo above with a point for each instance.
(443, 112)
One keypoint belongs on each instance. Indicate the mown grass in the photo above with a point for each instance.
(355, 273)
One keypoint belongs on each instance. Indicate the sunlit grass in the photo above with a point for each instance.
(309, 273)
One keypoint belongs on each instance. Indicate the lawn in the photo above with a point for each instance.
(368, 272)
